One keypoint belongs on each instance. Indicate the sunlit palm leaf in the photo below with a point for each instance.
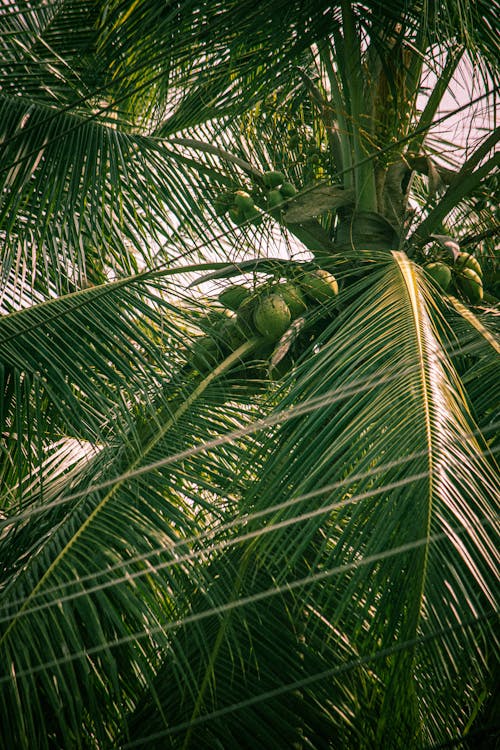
(382, 442)
(410, 415)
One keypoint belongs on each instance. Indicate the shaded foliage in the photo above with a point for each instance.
(210, 537)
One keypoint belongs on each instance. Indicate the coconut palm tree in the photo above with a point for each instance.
(248, 358)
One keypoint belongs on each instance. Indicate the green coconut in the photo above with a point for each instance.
(440, 273)
(243, 201)
(272, 316)
(253, 215)
(319, 285)
(233, 296)
(470, 284)
(236, 216)
(466, 260)
(288, 190)
(273, 179)
(274, 198)
(293, 296)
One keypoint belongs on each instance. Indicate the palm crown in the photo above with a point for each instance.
(248, 362)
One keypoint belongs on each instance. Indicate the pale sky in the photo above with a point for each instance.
(470, 126)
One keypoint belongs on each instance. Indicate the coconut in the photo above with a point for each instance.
(288, 190)
(236, 216)
(275, 199)
(465, 260)
(273, 179)
(470, 284)
(253, 215)
(243, 201)
(233, 296)
(272, 316)
(319, 285)
(293, 296)
(440, 273)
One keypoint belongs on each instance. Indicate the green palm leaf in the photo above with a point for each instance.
(133, 499)
(197, 555)
(412, 596)
(56, 373)
(423, 426)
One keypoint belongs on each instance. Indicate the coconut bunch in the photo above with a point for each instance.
(463, 275)
(278, 191)
(264, 313)
(240, 205)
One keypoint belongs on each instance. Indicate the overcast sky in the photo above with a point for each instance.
(471, 125)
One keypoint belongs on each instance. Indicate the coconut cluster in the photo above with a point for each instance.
(265, 312)
(278, 191)
(240, 204)
(464, 276)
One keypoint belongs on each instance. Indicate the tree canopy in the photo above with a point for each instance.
(249, 374)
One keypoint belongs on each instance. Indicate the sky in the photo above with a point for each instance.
(470, 126)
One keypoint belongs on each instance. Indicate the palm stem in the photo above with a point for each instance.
(343, 133)
(366, 193)
(209, 148)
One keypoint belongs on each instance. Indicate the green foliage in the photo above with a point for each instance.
(264, 516)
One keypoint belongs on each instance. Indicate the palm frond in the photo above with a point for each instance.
(213, 554)
(92, 533)
(79, 365)
(375, 436)
(224, 54)
(475, 355)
